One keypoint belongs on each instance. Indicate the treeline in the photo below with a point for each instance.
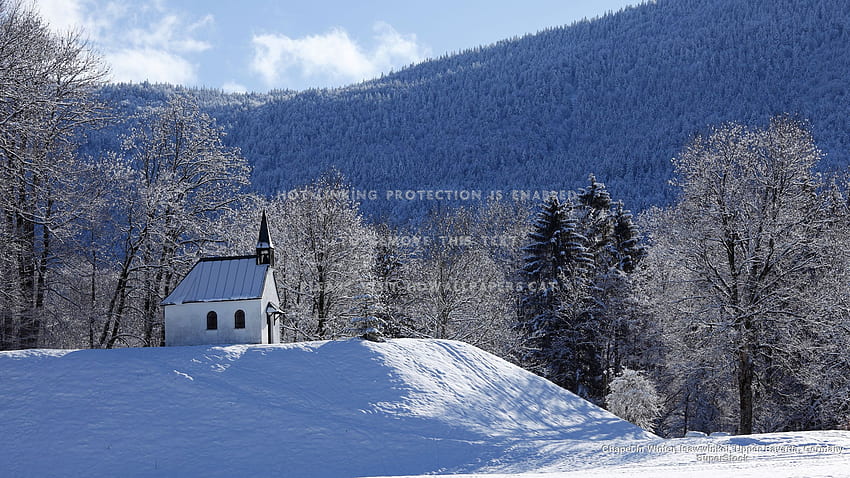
(47, 85)
(731, 315)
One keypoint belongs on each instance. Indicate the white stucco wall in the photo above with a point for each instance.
(186, 324)
(270, 295)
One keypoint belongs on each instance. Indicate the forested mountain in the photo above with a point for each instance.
(617, 96)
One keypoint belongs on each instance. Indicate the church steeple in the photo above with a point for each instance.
(265, 248)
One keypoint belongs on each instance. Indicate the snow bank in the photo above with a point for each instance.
(812, 454)
(343, 408)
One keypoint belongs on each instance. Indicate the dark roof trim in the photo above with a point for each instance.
(214, 300)
(226, 258)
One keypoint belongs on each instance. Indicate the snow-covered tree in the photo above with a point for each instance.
(393, 296)
(580, 324)
(174, 179)
(325, 260)
(743, 270)
(556, 266)
(47, 85)
(366, 322)
(458, 290)
(694, 379)
(626, 240)
(592, 211)
(633, 397)
(612, 240)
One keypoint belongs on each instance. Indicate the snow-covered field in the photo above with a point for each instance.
(343, 409)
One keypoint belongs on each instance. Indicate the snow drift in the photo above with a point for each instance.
(340, 408)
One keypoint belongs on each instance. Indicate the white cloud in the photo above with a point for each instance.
(167, 34)
(156, 66)
(138, 41)
(96, 18)
(61, 15)
(394, 48)
(334, 55)
(205, 21)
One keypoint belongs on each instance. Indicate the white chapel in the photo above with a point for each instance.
(226, 300)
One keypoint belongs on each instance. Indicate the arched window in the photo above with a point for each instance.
(212, 320)
(239, 319)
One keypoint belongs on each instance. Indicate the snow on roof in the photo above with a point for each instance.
(220, 278)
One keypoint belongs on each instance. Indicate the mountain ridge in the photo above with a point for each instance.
(617, 96)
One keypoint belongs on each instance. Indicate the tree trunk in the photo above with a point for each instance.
(92, 296)
(116, 303)
(745, 390)
(321, 305)
(29, 324)
(42, 270)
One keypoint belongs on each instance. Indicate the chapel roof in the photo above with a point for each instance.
(221, 278)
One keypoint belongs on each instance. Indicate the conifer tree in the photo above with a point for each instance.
(392, 295)
(555, 267)
(578, 323)
(626, 240)
(593, 211)
(602, 320)
(366, 322)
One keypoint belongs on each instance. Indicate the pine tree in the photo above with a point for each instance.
(592, 327)
(593, 213)
(601, 322)
(626, 243)
(392, 295)
(366, 322)
(555, 266)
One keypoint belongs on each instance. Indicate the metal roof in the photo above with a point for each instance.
(221, 278)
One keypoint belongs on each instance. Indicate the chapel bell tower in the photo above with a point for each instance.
(265, 248)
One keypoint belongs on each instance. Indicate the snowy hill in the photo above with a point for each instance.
(344, 408)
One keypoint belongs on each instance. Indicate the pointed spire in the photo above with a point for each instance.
(265, 239)
(265, 247)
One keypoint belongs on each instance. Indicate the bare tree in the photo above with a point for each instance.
(47, 85)
(741, 259)
(458, 289)
(324, 258)
(633, 397)
(173, 181)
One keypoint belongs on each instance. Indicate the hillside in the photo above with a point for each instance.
(347, 408)
(618, 96)
(323, 409)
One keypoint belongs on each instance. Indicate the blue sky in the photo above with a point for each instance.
(258, 45)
